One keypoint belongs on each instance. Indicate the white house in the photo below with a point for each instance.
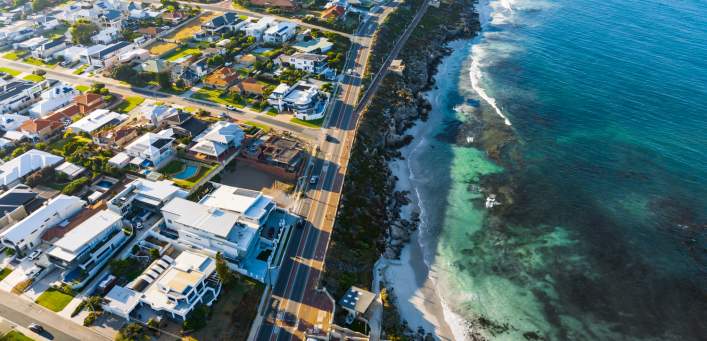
(309, 62)
(46, 50)
(87, 247)
(210, 228)
(151, 149)
(280, 32)
(145, 194)
(26, 234)
(108, 55)
(303, 99)
(106, 36)
(11, 172)
(12, 122)
(218, 139)
(227, 22)
(157, 113)
(170, 287)
(56, 97)
(258, 28)
(96, 120)
(18, 94)
(252, 206)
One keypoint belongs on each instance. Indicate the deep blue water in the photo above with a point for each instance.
(606, 235)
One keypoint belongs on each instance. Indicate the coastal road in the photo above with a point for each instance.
(228, 6)
(23, 312)
(114, 86)
(297, 288)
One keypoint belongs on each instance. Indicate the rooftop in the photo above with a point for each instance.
(68, 246)
(26, 163)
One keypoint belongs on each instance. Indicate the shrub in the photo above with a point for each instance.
(92, 316)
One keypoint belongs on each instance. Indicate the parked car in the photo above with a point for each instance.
(313, 180)
(35, 254)
(35, 328)
(230, 107)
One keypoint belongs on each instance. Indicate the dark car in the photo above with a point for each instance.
(36, 328)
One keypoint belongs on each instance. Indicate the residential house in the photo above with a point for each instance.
(19, 94)
(143, 194)
(309, 62)
(55, 97)
(316, 45)
(284, 4)
(154, 65)
(106, 36)
(134, 56)
(219, 141)
(116, 138)
(150, 31)
(258, 28)
(228, 22)
(280, 33)
(71, 170)
(16, 203)
(169, 287)
(111, 19)
(12, 122)
(210, 228)
(31, 44)
(173, 17)
(96, 120)
(88, 102)
(335, 12)
(41, 128)
(221, 78)
(304, 100)
(47, 50)
(280, 152)
(26, 234)
(156, 114)
(11, 172)
(151, 150)
(185, 124)
(84, 250)
(250, 87)
(108, 55)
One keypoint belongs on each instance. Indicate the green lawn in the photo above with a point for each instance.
(9, 71)
(14, 335)
(82, 88)
(38, 62)
(175, 166)
(56, 32)
(34, 78)
(80, 70)
(54, 300)
(4, 273)
(189, 183)
(129, 103)
(312, 124)
(213, 95)
(263, 127)
(179, 53)
(14, 55)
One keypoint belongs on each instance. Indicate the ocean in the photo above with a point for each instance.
(562, 176)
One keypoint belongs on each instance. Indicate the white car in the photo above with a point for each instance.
(313, 180)
(35, 254)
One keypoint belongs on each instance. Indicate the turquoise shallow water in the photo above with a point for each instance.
(605, 235)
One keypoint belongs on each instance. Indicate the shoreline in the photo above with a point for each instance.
(415, 281)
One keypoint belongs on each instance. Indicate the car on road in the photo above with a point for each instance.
(230, 107)
(313, 180)
(223, 115)
(35, 328)
(35, 254)
(330, 138)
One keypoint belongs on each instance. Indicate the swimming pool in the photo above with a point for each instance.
(104, 184)
(188, 172)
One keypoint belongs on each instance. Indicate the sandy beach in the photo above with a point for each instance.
(413, 280)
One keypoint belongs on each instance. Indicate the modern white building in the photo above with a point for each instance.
(258, 28)
(11, 172)
(303, 99)
(210, 228)
(96, 120)
(47, 50)
(170, 287)
(280, 32)
(221, 137)
(151, 150)
(252, 206)
(18, 94)
(25, 235)
(145, 194)
(12, 122)
(84, 250)
(54, 98)
(309, 62)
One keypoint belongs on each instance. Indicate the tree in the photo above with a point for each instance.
(131, 332)
(165, 80)
(224, 272)
(38, 5)
(74, 186)
(126, 73)
(180, 83)
(154, 254)
(82, 31)
(127, 269)
(196, 319)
